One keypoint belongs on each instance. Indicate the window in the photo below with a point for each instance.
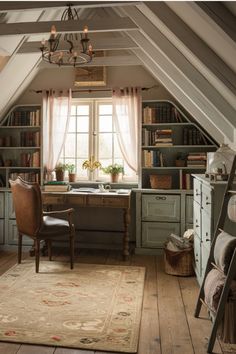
(92, 133)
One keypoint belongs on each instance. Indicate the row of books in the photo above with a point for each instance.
(158, 137)
(163, 113)
(30, 139)
(27, 176)
(192, 136)
(28, 159)
(152, 158)
(24, 118)
(57, 186)
(197, 159)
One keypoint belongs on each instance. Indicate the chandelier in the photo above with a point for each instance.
(76, 49)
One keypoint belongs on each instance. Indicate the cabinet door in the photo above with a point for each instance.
(160, 207)
(206, 229)
(2, 205)
(189, 209)
(154, 234)
(197, 256)
(13, 234)
(197, 190)
(204, 255)
(1, 231)
(11, 212)
(207, 199)
(197, 219)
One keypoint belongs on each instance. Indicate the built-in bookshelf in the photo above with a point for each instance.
(172, 144)
(20, 145)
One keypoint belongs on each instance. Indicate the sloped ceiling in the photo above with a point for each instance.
(187, 46)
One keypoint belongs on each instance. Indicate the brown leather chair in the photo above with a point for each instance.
(32, 221)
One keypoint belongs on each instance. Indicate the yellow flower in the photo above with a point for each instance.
(91, 164)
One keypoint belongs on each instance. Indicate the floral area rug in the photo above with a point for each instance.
(96, 307)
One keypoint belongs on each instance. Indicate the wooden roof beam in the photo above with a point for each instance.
(101, 25)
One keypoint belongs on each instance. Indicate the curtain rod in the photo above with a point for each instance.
(96, 90)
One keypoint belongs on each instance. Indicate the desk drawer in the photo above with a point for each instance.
(76, 199)
(54, 199)
(109, 201)
(206, 199)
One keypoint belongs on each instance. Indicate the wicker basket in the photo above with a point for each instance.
(179, 263)
(161, 181)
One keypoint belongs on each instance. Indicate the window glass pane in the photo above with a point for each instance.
(105, 124)
(71, 125)
(83, 124)
(82, 146)
(117, 151)
(80, 171)
(70, 146)
(73, 110)
(83, 110)
(105, 145)
(105, 109)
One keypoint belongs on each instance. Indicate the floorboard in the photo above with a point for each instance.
(167, 326)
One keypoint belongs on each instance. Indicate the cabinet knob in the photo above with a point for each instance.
(207, 203)
(207, 239)
(160, 198)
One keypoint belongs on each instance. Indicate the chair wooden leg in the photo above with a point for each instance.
(49, 246)
(19, 247)
(72, 248)
(37, 254)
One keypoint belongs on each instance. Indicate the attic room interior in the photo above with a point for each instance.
(117, 177)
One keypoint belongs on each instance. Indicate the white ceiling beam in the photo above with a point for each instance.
(122, 43)
(119, 60)
(221, 15)
(7, 6)
(214, 105)
(211, 66)
(207, 29)
(177, 85)
(75, 26)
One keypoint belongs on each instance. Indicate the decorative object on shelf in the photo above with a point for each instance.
(232, 208)
(180, 160)
(161, 181)
(78, 52)
(114, 171)
(60, 171)
(219, 163)
(71, 172)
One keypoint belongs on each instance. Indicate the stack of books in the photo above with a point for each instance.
(56, 186)
(163, 137)
(197, 159)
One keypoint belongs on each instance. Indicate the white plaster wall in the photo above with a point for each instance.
(58, 78)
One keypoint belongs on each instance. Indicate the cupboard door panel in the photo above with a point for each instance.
(154, 234)
(160, 207)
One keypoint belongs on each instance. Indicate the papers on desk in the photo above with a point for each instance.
(86, 190)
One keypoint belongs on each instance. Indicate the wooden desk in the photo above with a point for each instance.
(100, 200)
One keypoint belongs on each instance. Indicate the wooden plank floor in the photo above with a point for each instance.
(167, 326)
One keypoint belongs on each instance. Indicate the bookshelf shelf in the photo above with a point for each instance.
(172, 144)
(20, 145)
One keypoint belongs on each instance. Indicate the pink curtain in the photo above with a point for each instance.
(56, 113)
(126, 105)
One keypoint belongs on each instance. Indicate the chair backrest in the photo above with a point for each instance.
(27, 203)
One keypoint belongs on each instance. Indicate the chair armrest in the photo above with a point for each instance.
(56, 212)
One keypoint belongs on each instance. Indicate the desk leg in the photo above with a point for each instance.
(126, 216)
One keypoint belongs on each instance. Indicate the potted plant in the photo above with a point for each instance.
(60, 171)
(114, 170)
(71, 172)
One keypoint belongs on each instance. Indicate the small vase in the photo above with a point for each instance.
(72, 177)
(114, 177)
